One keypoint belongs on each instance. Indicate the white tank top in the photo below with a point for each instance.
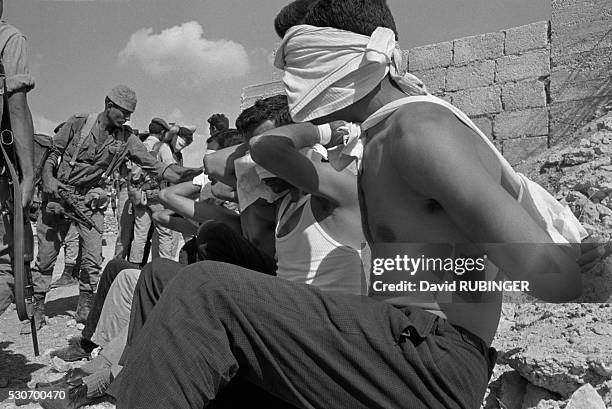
(309, 255)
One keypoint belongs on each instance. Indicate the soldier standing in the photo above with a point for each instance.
(15, 84)
(91, 148)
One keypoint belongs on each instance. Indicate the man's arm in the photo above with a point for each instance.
(176, 198)
(280, 155)
(220, 165)
(436, 157)
(173, 173)
(18, 83)
(50, 184)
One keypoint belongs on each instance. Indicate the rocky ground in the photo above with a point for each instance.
(551, 356)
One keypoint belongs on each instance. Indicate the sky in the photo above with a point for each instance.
(189, 59)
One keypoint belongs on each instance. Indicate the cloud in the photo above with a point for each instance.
(181, 53)
(44, 125)
(176, 116)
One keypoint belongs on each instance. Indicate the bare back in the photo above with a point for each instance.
(393, 212)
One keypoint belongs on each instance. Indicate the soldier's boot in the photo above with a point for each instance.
(66, 279)
(84, 306)
(39, 316)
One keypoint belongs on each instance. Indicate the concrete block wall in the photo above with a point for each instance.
(581, 63)
(499, 79)
(526, 87)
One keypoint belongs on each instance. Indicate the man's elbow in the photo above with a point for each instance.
(163, 197)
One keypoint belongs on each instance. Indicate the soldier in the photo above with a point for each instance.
(91, 148)
(17, 83)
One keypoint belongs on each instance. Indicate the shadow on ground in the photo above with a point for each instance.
(61, 306)
(16, 368)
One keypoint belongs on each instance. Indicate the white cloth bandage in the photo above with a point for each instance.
(325, 134)
(326, 69)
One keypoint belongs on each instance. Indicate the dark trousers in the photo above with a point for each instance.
(309, 348)
(112, 269)
(216, 241)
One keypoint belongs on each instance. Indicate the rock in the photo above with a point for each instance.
(80, 326)
(512, 389)
(586, 397)
(71, 323)
(534, 395)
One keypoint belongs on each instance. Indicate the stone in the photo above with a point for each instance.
(430, 56)
(533, 64)
(523, 94)
(586, 397)
(526, 38)
(434, 79)
(479, 47)
(517, 150)
(478, 101)
(472, 75)
(534, 395)
(518, 124)
(511, 391)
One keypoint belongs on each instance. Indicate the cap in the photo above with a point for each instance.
(161, 123)
(123, 96)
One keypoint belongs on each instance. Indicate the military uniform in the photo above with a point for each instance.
(14, 58)
(84, 170)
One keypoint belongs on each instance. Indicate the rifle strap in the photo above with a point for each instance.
(85, 130)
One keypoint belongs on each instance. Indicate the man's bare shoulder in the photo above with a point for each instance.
(416, 117)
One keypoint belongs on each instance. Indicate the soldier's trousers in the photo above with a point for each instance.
(51, 231)
(165, 240)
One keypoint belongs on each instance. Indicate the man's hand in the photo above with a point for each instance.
(51, 186)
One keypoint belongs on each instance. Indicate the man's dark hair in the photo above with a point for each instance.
(227, 138)
(273, 108)
(358, 16)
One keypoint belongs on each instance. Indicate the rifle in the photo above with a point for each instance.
(77, 214)
(24, 290)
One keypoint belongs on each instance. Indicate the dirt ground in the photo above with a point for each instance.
(19, 368)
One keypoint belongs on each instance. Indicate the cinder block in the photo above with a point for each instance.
(473, 75)
(517, 150)
(485, 124)
(581, 37)
(524, 38)
(562, 75)
(523, 94)
(519, 124)
(430, 56)
(585, 61)
(481, 47)
(478, 101)
(575, 91)
(434, 79)
(566, 13)
(534, 64)
(567, 117)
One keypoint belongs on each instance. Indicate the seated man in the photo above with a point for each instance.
(310, 246)
(426, 178)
